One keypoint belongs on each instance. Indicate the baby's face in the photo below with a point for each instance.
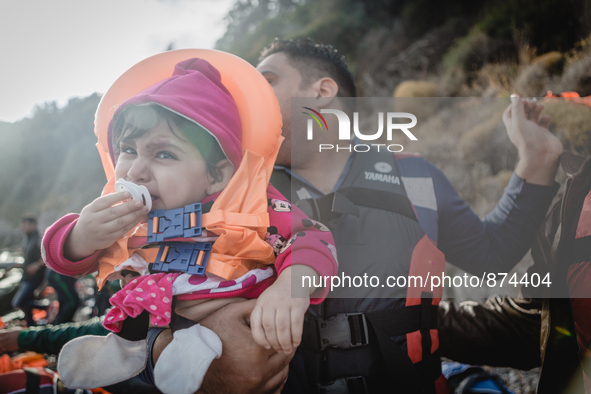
(173, 170)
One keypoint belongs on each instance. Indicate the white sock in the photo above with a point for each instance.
(94, 361)
(183, 363)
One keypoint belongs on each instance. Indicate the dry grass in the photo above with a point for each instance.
(552, 62)
(577, 76)
(495, 80)
(416, 89)
(532, 81)
(411, 96)
(474, 140)
(572, 122)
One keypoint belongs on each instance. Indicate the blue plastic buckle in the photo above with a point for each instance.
(174, 223)
(183, 257)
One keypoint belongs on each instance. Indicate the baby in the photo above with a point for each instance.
(181, 139)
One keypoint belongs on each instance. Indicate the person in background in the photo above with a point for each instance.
(67, 296)
(34, 270)
(542, 327)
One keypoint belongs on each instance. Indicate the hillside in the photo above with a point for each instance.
(48, 165)
(426, 48)
(420, 48)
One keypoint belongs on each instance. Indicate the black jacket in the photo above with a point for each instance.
(528, 332)
(32, 254)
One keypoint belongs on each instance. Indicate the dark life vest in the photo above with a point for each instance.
(372, 338)
(563, 247)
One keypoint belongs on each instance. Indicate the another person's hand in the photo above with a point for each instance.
(34, 267)
(244, 367)
(277, 320)
(101, 223)
(9, 339)
(539, 150)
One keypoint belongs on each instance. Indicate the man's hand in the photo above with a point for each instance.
(32, 268)
(9, 340)
(245, 367)
(101, 223)
(539, 150)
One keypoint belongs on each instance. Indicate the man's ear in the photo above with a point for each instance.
(224, 171)
(326, 90)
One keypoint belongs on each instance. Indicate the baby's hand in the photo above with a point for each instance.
(101, 223)
(277, 320)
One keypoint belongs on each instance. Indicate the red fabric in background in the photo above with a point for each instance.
(16, 381)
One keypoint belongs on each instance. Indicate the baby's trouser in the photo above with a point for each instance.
(147, 375)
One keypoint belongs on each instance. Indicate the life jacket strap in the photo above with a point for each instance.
(348, 385)
(345, 331)
(327, 207)
(187, 257)
(581, 250)
(165, 224)
(178, 322)
(348, 330)
(348, 200)
(409, 377)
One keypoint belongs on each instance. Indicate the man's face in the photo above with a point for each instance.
(27, 227)
(286, 82)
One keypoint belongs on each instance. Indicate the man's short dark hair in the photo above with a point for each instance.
(29, 217)
(315, 61)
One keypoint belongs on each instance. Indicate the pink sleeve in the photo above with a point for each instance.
(52, 248)
(297, 239)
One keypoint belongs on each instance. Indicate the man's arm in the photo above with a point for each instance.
(502, 332)
(48, 339)
(539, 150)
(498, 242)
(32, 268)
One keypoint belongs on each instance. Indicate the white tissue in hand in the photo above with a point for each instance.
(514, 98)
(137, 192)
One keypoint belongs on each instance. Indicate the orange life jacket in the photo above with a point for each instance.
(239, 215)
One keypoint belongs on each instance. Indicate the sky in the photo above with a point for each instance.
(52, 50)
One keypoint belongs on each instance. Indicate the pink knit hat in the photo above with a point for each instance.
(195, 91)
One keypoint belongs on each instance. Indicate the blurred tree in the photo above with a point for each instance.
(547, 25)
(49, 163)
(544, 24)
(253, 24)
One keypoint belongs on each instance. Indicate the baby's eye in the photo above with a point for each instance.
(165, 155)
(128, 150)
